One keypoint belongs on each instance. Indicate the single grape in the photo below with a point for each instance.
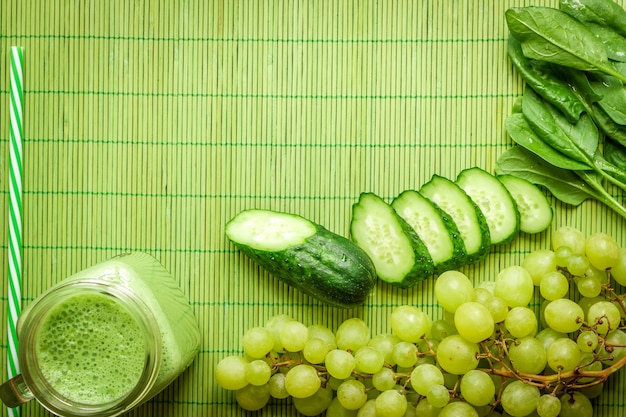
(258, 372)
(498, 309)
(548, 406)
(528, 355)
(315, 350)
(390, 404)
(257, 342)
(230, 372)
(562, 255)
(351, 394)
(618, 272)
(589, 287)
(275, 325)
(602, 251)
(547, 336)
(425, 376)
(302, 381)
(554, 285)
(606, 315)
(384, 343)
(426, 409)
(252, 397)
(441, 329)
(368, 360)
(458, 409)
(368, 409)
(405, 354)
(452, 289)
(563, 315)
(319, 331)
(314, 405)
(575, 404)
(276, 386)
(409, 323)
(438, 395)
(384, 379)
(352, 334)
(563, 355)
(482, 295)
(615, 340)
(569, 236)
(456, 355)
(587, 341)
(520, 399)
(521, 322)
(578, 264)
(293, 336)
(340, 363)
(539, 263)
(515, 286)
(477, 388)
(473, 321)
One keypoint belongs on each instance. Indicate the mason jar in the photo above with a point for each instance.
(104, 340)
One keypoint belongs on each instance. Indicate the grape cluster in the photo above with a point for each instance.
(493, 353)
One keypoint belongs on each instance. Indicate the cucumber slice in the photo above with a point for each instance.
(494, 200)
(466, 215)
(400, 257)
(305, 255)
(436, 229)
(535, 210)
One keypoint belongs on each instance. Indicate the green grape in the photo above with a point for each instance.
(314, 405)
(351, 394)
(257, 342)
(618, 339)
(539, 263)
(488, 285)
(340, 363)
(618, 272)
(554, 285)
(498, 309)
(319, 331)
(293, 336)
(528, 355)
(473, 321)
(548, 406)
(252, 397)
(302, 381)
(575, 404)
(520, 399)
(390, 404)
(606, 315)
(570, 237)
(441, 329)
(274, 325)
(405, 354)
(563, 355)
(368, 409)
(564, 315)
(482, 295)
(352, 334)
(587, 341)
(585, 303)
(384, 343)
(315, 350)
(409, 323)
(258, 372)
(452, 289)
(335, 409)
(426, 409)
(578, 264)
(477, 388)
(230, 372)
(521, 322)
(589, 286)
(456, 355)
(368, 360)
(547, 336)
(384, 379)
(562, 255)
(602, 251)
(276, 386)
(515, 286)
(458, 409)
(438, 395)
(425, 376)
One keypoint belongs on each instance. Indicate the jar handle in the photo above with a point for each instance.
(14, 392)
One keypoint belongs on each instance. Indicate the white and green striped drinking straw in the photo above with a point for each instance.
(15, 212)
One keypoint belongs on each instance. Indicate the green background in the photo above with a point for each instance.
(149, 124)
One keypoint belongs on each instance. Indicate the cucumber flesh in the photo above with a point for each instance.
(466, 215)
(494, 200)
(436, 229)
(535, 210)
(400, 257)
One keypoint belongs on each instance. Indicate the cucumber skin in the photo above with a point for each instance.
(327, 266)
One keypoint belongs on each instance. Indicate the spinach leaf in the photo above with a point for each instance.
(603, 12)
(608, 126)
(613, 100)
(615, 154)
(551, 35)
(545, 82)
(614, 43)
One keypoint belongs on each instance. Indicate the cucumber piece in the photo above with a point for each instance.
(400, 257)
(466, 215)
(535, 210)
(305, 255)
(494, 200)
(435, 227)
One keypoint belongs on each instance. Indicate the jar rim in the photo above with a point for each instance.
(38, 312)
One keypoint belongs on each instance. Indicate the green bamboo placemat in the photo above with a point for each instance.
(149, 124)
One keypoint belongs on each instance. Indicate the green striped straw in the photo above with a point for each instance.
(15, 213)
